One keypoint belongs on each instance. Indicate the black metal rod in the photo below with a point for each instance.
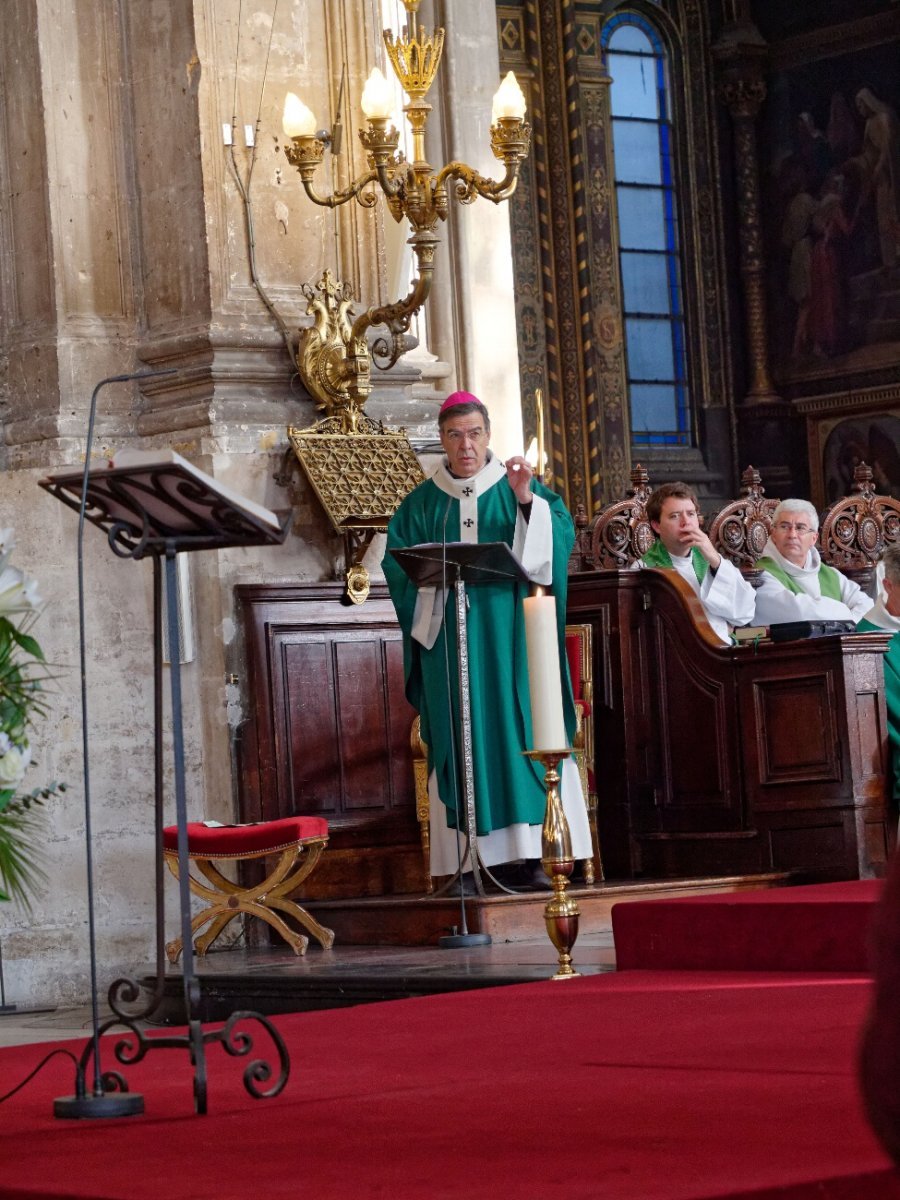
(82, 646)
(158, 775)
(191, 987)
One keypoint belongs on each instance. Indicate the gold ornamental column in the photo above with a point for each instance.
(742, 88)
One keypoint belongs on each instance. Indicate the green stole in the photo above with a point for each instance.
(891, 694)
(829, 579)
(658, 556)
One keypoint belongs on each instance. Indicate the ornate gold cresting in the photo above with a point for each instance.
(360, 475)
(359, 470)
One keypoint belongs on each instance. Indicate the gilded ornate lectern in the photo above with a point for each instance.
(157, 506)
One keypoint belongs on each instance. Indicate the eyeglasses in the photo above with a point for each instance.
(457, 436)
(787, 526)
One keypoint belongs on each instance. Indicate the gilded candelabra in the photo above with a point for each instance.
(334, 358)
(359, 470)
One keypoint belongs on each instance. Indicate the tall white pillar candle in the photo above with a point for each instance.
(544, 678)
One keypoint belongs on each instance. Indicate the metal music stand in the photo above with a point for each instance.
(158, 509)
(458, 564)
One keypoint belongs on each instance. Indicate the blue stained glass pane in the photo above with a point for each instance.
(634, 92)
(665, 154)
(653, 409)
(645, 279)
(650, 351)
(646, 186)
(629, 37)
(641, 219)
(636, 148)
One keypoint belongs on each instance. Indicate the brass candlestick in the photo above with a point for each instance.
(561, 913)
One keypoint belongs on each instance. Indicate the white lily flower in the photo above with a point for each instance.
(14, 764)
(7, 545)
(18, 593)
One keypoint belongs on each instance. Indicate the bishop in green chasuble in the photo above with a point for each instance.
(473, 497)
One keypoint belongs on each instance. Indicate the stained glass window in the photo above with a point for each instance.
(649, 253)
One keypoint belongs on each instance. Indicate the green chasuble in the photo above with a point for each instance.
(891, 694)
(509, 788)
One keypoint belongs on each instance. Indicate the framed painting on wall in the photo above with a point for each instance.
(839, 443)
(831, 208)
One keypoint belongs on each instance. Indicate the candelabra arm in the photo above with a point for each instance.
(470, 184)
(397, 316)
(390, 184)
(355, 189)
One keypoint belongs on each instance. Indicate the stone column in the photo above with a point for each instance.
(472, 310)
(742, 88)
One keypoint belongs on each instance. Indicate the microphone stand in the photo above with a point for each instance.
(456, 940)
(464, 939)
(99, 1103)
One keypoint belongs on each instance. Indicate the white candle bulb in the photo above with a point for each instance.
(378, 97)
(509, 100)
(531, 454)
(544, 678)
(298, 120)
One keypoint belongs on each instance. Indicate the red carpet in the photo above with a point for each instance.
(638, 1086)
(822, 927)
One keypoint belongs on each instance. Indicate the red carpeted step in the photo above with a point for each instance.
(821, 927)
(636, 1086)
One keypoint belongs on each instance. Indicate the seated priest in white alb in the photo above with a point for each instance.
(795, 584)
(682, 546)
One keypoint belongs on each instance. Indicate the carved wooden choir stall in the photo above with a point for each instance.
(706, 759)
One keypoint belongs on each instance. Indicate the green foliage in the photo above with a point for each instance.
(23, 675)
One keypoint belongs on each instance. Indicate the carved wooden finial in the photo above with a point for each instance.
(581, 517)
(751, 483)
(863, 480)
(639, 479)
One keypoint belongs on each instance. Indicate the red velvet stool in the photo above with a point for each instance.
(298, 842)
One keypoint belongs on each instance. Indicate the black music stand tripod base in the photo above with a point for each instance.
(110, 1104)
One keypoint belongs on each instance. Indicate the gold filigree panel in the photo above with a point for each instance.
(360, 478)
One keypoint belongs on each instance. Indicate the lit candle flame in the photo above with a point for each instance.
(298, 120)
(378, 97)
(509, 100)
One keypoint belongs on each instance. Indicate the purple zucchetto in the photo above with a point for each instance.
(458, 398)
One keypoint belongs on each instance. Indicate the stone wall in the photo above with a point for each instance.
(124, 247)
